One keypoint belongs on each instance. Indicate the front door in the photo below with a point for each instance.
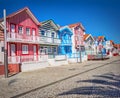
(12, 29)
(34, 53)
(33, 34)
(13, 53)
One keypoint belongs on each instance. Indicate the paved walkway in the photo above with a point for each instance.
(86, 80)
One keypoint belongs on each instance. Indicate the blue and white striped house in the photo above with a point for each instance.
(65, 34)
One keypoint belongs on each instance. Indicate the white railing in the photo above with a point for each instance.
(49, 40)
(27, 58)
(58, 41)
(16, 37)
(43, 57)
(21, 38)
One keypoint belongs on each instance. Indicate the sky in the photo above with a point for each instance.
(99, 17)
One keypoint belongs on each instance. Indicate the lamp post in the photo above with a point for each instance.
(5, 46)
(80, 47)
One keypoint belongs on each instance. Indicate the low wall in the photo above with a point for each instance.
(30, 66)
(12, 69)
(1, 69)
(53, 62)
(75, 60)
(58, 61)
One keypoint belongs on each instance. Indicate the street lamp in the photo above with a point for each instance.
(5, 46)
(79, 37)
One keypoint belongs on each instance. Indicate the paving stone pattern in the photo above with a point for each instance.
(91, 79)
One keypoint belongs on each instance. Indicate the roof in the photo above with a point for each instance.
(21, 10)
(86, 36)
(116, 45)
(75, 25)
(111, 42)
(51, 22)
(101, 38)
(67, 29)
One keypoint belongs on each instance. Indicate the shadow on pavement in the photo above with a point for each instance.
(106, 85)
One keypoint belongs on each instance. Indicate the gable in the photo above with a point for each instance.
(49, 24)
(20, 12)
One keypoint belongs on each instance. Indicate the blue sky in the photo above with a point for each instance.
(99, 17)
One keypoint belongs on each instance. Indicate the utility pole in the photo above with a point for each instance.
(80, 48)
(5, 46)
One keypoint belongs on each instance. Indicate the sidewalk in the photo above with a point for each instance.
(26, 81)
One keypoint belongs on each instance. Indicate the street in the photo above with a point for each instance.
(91, 79)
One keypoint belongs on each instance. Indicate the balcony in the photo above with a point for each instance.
(15, 37)
(49, 40)
(66, 42)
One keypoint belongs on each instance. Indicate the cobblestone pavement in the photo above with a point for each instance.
(91, 79)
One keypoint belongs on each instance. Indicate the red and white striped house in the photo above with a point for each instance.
(22, 36)
(78, 35)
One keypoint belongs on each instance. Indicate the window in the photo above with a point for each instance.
(20, 30)
(33, 32)
(24, 49)
(43, 33)
(2, 49)
(12, 28)
(52, 34)
(54, 49)
(43, 50)
(49, 50)
(28, 31)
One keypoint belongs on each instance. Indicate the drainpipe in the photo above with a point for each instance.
(5, 46)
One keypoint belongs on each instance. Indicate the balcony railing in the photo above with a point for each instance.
(49, 40)
(28, 58)
(15, 37)
(66, 42)
(21, 38)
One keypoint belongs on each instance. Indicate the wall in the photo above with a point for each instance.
(22, 19)
(54, 62)
(30, 66)
(12, 69)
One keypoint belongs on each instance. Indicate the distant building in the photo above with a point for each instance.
(77, 38)
(109, 47)
(89, 44)
(100, 43)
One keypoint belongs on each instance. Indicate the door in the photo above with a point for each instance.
(52, 35)
(34, 53)
(12, 29)
(33, 34)
(13, 53)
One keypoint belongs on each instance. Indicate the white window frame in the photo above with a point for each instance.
(49, 49)
(54, 48)
(20, 31)
(43, 50)
(27, 32)
(24, 49)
